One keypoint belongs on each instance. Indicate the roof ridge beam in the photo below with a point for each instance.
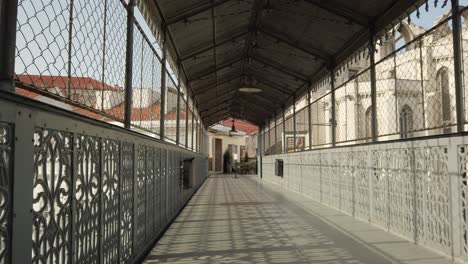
(347, 14)
(281, 68)
(215, 69)
(193, 12)
(220, 43)
(316, 53)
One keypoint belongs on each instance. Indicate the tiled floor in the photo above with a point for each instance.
(246, 220)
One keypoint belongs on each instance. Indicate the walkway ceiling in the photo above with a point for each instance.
(278, 45)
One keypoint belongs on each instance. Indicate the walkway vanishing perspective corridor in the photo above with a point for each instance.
(246, 220)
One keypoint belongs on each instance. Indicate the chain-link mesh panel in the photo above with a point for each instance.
(289, 134)
(279, 136)
(74, 52)
(302, 129)
(170, 122)
(189, 130)
(183, 121)
(352, 100)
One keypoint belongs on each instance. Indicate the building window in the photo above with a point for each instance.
(406, 121)
(444, 88)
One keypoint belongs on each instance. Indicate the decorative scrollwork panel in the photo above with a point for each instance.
(87, 197)
(347, 182)
(141, 197)
(150, 175)
(126, 200)
(380, 187)
(432, 181)
(401, 192)
(361, 186)
(110, 232)
(5, 191)
(463, 184)
(52, 186)
(157, 189)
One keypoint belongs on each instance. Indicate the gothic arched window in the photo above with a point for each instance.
(443, 85)
(406, 121)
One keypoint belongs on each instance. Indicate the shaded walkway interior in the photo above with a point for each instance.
(246, 220)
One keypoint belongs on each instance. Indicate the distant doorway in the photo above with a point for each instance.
(218, 154)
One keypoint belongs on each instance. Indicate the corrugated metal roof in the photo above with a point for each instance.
(279, 44)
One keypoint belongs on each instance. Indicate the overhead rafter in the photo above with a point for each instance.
(315, 52)
(256, 104)
(350, 15)
(206, 89)
(194, 11)
(215, 69)
(280, 68)
(267, 97)
(211, 46)
(273, 85)
(213, 102)
(215, 107)
(254, 23)
(210, 120)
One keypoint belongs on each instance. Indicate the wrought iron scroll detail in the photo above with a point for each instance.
(87, 196)
(5, 191)
(110, 232)
(126, 215)
(52, 184)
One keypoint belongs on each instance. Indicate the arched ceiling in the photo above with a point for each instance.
(279, 46)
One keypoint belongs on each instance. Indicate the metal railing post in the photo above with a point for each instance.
(294, 122)
(457, 65)
(285, 145)
(310, 116)
(163, 84)
(129, 65)
(186, 122)
(8, 15)
(276, 141)
(178, 107)
(333, 107)
(373, 86)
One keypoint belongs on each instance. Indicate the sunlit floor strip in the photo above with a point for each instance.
(245, 220)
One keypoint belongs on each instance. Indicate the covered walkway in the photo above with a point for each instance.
(247, 220)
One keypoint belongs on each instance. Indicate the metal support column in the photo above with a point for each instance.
(333, 107)
(186, 122)
(259, 152)
(191, 141)
(269, 137)
(178, 107)
(8, 14)
(373, 87)
(309, 116)
(294, 123)
(457, 65)
(163, 83)
(284, 135)
(129, 64)
(276, 136)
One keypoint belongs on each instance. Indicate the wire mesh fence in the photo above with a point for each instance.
(415, 83)
(73, 54)
(73, 51)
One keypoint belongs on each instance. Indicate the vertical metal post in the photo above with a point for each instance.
(259, 152)
(310, 116)
(333, 107)
(395, 83)
(186, 122)
(269, 138)
(294, 123)
(23, 172)
(129, 65)
(163, 84)
(69, 48)
(276, 136)
(8, 15)
(373, 86)
(457, 65)
(191, 141)
(104, 43)
(178, 107)
(421, 68)
(285, 145)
